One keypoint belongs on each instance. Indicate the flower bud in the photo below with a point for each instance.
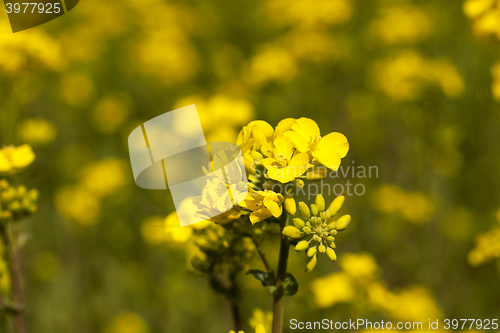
(321, 248)
(331, 254)
(33, 195)
(21, 191)
(299, 223)
(312, 263)
(320, 202)
(314, 209)
(290, 206)
(343, 222)
(307, 230)
(330, 238)
(332, 244)
(311, 251)
(15, 206)
(304, 210)
(301, 246)
(291, 232)
(336, 204)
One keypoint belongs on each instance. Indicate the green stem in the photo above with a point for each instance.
(278, 310)
(261, 253)
(15, 277)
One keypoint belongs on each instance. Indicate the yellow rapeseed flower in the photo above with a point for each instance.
(327, 150)
(285, 166)
(263, 204)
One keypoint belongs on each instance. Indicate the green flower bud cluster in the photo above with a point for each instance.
(16, 202)
(219, 246)
(317, 228)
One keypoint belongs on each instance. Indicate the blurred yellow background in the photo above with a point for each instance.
(414, 85)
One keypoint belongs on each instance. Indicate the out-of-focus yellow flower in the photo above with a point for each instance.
(332, 289)
(78, 204)
(272, 63)
(302, 14)
(37, 131)
(12, 159)
(311, 45)
(263, 204)
(261, 321)
(495, 86)
(400, 24)
(412, 206)
(405, 75)
(486, 16)
(110, 113)
(104, 177)
(400, 77)
(220, 115)
(408, 305)
(157, 230)
(16, 51)
(327, 150)
(77, 89)
(167, 54)
(487, 247)
(174, 231)
(476, 8)
(359, 265)
(285, 166)
(448, 78)
(128, 323)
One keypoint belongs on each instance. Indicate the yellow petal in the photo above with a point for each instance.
(298, 141)
(283, 126)
(334, 141)
(269, 162)
(260, 328)
(329, 158)
(22, 156)
(283, 175)
(273, 207)
(260, 215)
(263, 126)
(284, 146)
(306, 127)
(250, 202)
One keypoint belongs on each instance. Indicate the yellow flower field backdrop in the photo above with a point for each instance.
(413, 85)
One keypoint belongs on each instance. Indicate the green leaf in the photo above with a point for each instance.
(290, 284)
(266, 278)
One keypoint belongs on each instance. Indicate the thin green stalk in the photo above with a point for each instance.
(15, 277)
(261, 253)
(278, 309)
